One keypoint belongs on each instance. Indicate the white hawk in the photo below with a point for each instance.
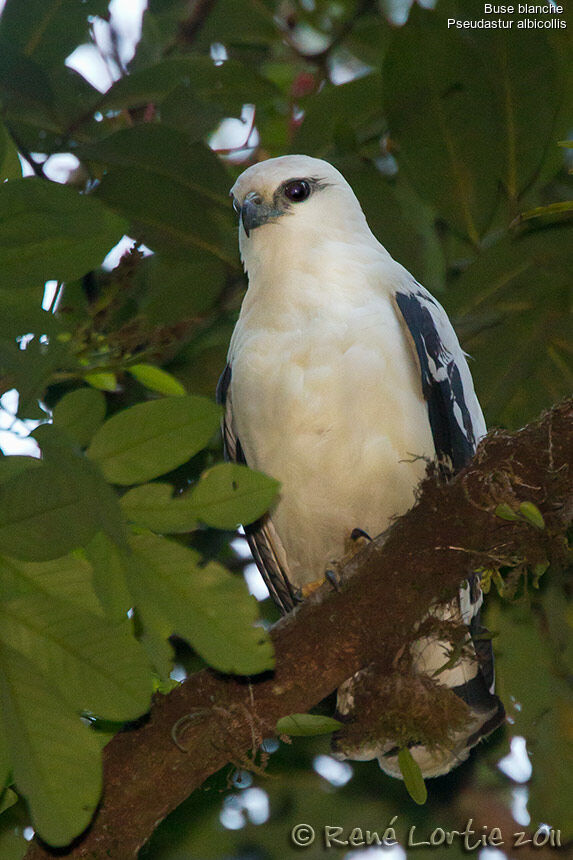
(344, 377)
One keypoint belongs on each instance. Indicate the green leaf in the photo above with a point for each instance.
(226, 496)
(102, 380)
(148, 167)
(49, 231)
(160, 654)
(48, 30)
(3, 144)
(229, 495)
(150, 439)
(15, 464)
(355, 105)
(107, 563)
(80, 413)
(48, 510)
(55, 759)
(8, 798)
(154, 507)
(412, 776)
(443, 116)
(506, 512)
(224, 89)
(23, 83)
(528, 102)
(239, 24)
(10, 165)
(100, 500)
(204, 603)
(518, 291)
(97, 665)
(156, 379)
(5, 760)
(173, 291)
(301, 725)
(67, 578)
(43, 514)
(532, 514)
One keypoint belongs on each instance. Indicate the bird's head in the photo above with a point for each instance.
(285, 200)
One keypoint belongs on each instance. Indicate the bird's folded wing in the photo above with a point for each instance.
(455, 417)
(261, 535)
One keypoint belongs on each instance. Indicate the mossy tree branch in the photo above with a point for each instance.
(452, 530)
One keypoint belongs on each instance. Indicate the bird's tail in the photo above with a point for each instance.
(465, 668)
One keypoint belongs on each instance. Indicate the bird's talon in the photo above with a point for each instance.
(356, 534)
(333, 578)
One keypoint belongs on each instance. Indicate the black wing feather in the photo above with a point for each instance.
(442, 387)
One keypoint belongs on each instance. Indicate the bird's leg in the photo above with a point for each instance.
(357, 539)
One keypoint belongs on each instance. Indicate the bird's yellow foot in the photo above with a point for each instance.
(356, 541)
(311, 587)
(333, 573)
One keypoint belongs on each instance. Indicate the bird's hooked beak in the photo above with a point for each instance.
(254, 211)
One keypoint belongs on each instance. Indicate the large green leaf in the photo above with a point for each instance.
(203, 603)
(48, 30)
(49, 231)
(338, 110)
(173, 291)
(24, 85)
(527, 69)
(518, 293)
(150, 439)
(15, 464)
(156, 379)
(148, 167)
(97, 665)
(80, 413)
(43, 514)
(49, 510)
(224, 89)
(55, 759)
(444, 121)
(22, 314)
(226, 496)
(107, 561)
(528, 102)
(238, 23)
(153, 506)
(10, 166)
(229, 495)
(67, 578)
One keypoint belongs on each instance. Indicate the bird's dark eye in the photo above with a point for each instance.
(297, 190)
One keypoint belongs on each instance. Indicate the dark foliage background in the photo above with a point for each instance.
(454, 141)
